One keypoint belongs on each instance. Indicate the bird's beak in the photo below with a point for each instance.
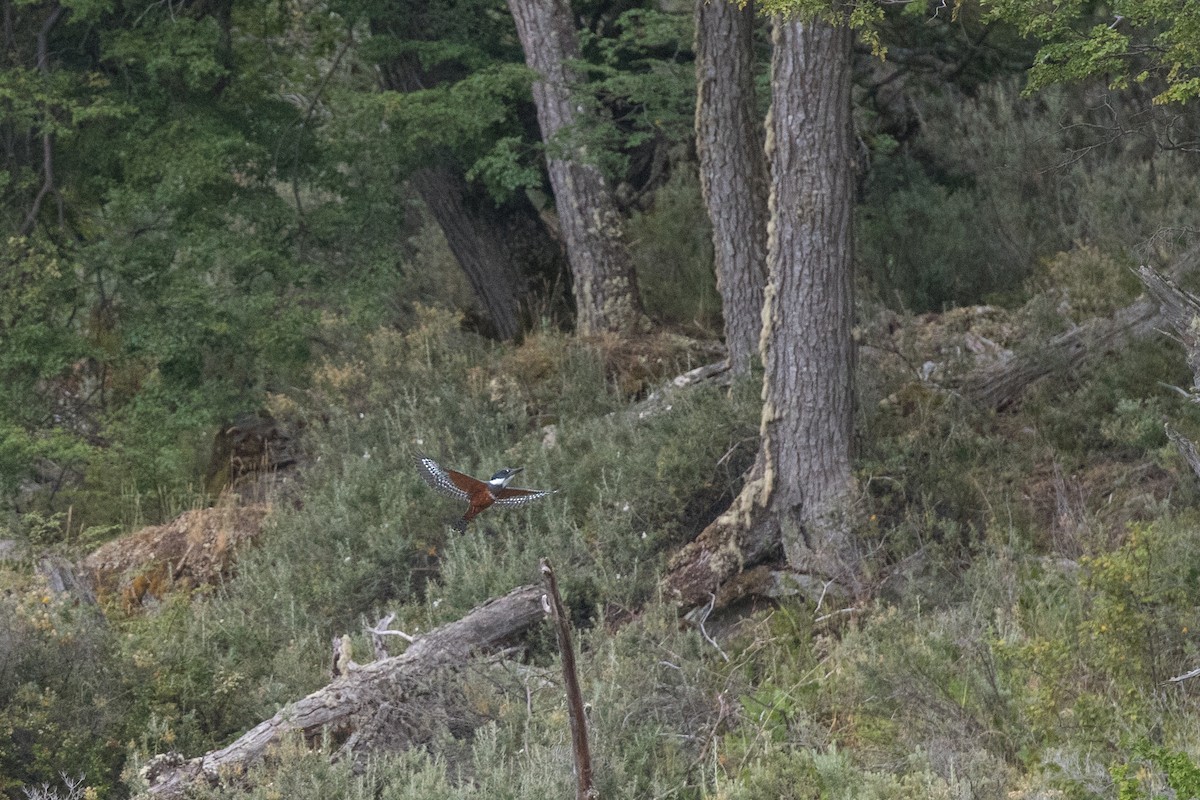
(517, 469)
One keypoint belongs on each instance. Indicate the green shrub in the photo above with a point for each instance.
(1153, 769)
(934, 471)
(997, 183)
(671, 245)
(1116, 406)
(64, 703)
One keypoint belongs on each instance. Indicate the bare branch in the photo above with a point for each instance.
(708, 609)
(1185, 676)
(584, 788)
(379, 630)
(359, 697)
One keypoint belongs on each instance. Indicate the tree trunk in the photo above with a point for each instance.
(362, 698)
(477, 241)
(491, 245)
(799, 490)
(733, 169)
(606, 294)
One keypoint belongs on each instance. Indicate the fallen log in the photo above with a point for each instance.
(361, 698)
(999, 386)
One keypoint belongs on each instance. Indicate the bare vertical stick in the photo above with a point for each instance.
(584, 790)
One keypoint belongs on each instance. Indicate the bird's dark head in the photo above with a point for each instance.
(502, 478)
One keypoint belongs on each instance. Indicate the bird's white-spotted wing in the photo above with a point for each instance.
(511, 498)
(445, 481)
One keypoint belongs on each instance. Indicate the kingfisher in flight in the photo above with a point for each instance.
(478, 494)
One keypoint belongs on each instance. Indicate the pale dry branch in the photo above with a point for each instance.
(584, 787)
(364, 697)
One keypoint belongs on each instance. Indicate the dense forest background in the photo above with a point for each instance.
(229, 281)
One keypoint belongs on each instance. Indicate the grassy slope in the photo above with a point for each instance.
(1036, 572)
(1022, 653)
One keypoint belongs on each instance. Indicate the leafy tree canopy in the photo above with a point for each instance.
(1126, 41)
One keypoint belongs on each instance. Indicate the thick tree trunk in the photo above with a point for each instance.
(494, 247)
(798, 492)
(808, 315)
(606, 294)
(476, 238)
(733, 169)
(365, 697)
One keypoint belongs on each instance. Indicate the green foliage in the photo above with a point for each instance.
(996, 184)
(472, 120)
(864, 17)
(39, 295)
(1088, 652)
(916, 439)
(1141, 611)
(385, 545)
(673, 257)
(643, 79)
(64, 708)
(1121, 403)
(234, 231)
(1177, 770)
(179, 54)
(39, 298)
(1127, 42)
(1086, 282)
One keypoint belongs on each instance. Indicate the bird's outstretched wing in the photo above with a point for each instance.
(511, 498)
(447, 481)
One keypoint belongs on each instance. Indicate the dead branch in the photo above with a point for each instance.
(1181, 309)
(999, 386)
(1186, 448)
(381, 629)
(715, 374)
(362, 697)
(1185, 676)
(584, 788)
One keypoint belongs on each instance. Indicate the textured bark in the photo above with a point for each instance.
(733, 169)
(799, 490)
(1186, 448)
(1181, 309)
(606, 294)
(357, 699)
